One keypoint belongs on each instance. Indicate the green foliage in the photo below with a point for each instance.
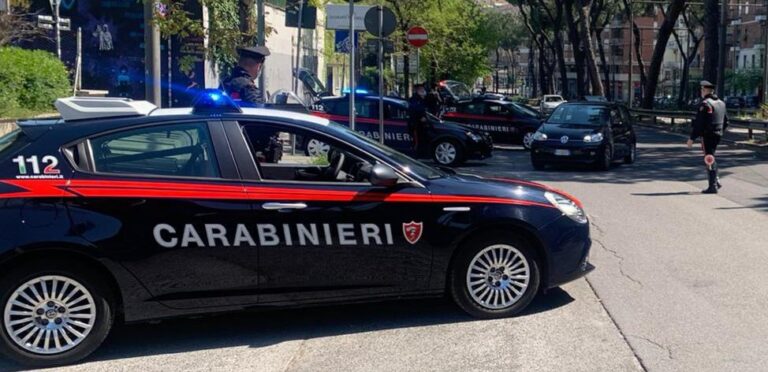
(744, 80)
(31, 80)
(320, 160)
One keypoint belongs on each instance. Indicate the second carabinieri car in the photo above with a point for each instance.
(120, 210)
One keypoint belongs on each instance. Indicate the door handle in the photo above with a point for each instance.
(278, 206)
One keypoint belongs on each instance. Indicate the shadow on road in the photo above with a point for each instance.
(266, 328)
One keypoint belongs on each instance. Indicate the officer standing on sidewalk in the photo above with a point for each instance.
(710, 124)
(240, 84)
(417, 116)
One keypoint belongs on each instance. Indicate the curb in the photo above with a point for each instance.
(757, 148)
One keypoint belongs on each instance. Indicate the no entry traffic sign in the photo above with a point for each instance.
(417, 36)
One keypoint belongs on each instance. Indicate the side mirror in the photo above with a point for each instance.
(382, 175)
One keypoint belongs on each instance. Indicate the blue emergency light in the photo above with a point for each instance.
(357, 91)
(214, 101)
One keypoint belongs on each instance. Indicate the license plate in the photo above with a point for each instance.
(561, 152)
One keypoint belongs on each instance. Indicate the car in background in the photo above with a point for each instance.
(735, 102)
(453, 92)
(506, 122)
(595, 99)
(550, 102)
(447, 143)
(751, 101)
(596, 133)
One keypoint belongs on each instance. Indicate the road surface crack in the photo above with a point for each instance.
(296, 356)
(621, 262)
(668, 349)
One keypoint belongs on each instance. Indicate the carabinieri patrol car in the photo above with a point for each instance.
(120, 211)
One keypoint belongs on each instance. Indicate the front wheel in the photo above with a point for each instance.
(605, 160)
(528, 139)
(53, 314)
(447, 152)
(495, 276)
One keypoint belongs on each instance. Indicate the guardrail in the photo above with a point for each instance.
(750, 125)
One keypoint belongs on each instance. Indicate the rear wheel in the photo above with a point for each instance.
(447, 152)
(632, 155)
(495, 276)
(53, 314)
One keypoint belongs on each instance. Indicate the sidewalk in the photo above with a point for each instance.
(735, 136)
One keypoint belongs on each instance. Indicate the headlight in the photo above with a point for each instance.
(567, 206)
(538, 136)
(473, 136)
(597, 137)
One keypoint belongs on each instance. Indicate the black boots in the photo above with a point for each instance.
(714, 183)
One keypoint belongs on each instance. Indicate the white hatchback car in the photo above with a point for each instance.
(550, 102)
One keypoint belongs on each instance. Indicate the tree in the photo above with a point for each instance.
(711, 39)
(670, 19)
(693, 22)
(17, 27)
(586, 42)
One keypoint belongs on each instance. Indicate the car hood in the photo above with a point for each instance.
(453, 126)
(570, 130)
(503, 190)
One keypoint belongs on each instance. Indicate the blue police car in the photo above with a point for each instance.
(120, 211)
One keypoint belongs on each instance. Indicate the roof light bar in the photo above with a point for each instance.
(81, 108)
(214, 101)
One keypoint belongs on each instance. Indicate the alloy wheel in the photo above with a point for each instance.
(498, 276)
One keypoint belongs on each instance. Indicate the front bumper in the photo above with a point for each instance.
(567, 244)
(584, 155)
(480, 150)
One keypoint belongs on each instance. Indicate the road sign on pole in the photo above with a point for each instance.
(337, 16)
(417, 37)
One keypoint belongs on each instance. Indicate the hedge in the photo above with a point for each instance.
(30, 80)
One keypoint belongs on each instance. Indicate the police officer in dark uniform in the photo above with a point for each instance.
(417, 116)
(240, 83)
(710, 124)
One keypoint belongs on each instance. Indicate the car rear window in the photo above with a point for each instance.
(553, 99)
(10, 135)
(580, 115)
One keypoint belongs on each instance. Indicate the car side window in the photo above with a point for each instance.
(616, 119)
(179, 150)
(395, 112)
(471, 108)
(496, 109)
(366, 108)
(284, 153)
(625, 115)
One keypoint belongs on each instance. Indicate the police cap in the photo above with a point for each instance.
(256, 52)
(706, 84)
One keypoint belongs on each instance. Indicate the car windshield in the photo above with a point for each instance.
(409, 165)
(10, 134)
(588, 115)
(553, 99)
(459, 89)
(522, 110)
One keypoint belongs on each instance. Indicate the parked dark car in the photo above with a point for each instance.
(735, 102)
(448, 143)
(585, 132)
(506, 121)
(751, 101)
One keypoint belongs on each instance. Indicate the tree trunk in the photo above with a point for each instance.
(604, 63)
(542, 72)
(559, 53)
(586, 36)
(673, 12)
(532, 71)
(711, 39)
(248, 22)
(578, 54)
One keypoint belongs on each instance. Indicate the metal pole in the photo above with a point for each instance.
(765, 63)
(261, 37)
(56, 20)
(78, 62)
(170, 75)
(630, 88)
(381, 75)
(418, 65)
(721, 56)
(352, 87)
(298, 50)
(151, 56)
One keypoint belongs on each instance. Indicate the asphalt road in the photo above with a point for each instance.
(681, 285)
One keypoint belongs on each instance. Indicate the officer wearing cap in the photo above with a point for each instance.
(710, 124)
(240, 83)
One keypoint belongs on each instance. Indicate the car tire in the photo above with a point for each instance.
(605, 160)
(26, 295)
(528, 139)
(632, 156)
(492, 292)
(447, 152)
(537, 163)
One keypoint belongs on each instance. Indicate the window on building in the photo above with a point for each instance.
(744, 63)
